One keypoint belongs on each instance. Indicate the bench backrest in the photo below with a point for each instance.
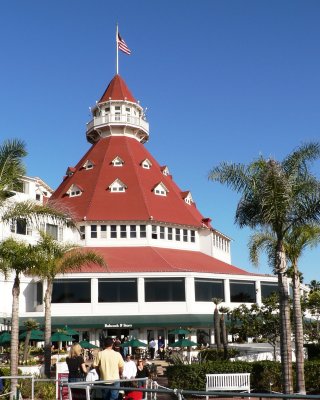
(224, 382)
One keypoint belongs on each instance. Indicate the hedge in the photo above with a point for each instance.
(193, 377)
(42, 390)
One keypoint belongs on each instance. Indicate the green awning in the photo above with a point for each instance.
(128, 321)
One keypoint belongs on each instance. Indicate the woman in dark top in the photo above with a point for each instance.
(142, 372)
(76, 365)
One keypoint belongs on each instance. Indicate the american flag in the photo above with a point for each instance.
(122, 45)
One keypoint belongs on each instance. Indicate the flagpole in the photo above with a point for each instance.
(117, 66)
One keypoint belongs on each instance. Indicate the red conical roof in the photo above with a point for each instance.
(117, 90)
(138, 202)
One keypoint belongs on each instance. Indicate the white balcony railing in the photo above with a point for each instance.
(118, 119)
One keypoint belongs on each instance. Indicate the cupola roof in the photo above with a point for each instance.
(117, 90)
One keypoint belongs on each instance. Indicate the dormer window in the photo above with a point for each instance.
(160, 189)
(117, 186)
(146, 164)
(70, 171)
(74, 191)
(88, 165)
(117, 162)
(165, 171)
(187, 197)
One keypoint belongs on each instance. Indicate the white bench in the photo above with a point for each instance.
(228, 382)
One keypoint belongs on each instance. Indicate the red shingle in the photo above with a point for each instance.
(138, 202)
(156, 259)
(117, 90)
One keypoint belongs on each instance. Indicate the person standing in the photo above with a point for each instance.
(130, 368)
(110, 365)
(152, 347)
(142, 372)
(76, 365)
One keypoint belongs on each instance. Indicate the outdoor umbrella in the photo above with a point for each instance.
(134, 343)
(179, 331)
(183, 343)
(61, 337)
(87, 345)
(5, 338)
(35, 335)
(69, 331)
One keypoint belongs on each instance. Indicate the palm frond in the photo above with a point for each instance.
(35, 213)
(262, 242)
(75, 260)
(296, 162)
(234, 175)
(11, 167)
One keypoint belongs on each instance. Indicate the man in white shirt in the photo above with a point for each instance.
(130, 368)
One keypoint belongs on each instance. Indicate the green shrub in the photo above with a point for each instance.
(312, 373)
(263, 373)
(42, 390)
(193, 377)
(6, 382)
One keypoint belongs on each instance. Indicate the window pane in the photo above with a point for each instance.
(113, 233)
(164, 289)
(169, 233)
(52, 230)
(39, 293)
(94, 231)
(133, 231)
(71, 291)
(177, 234)
(117, 290)
(154, 232)
(193, 236)
(103, 231)
(242, 292)
(143, 232)
(268, 288)
(185, 235)
(21, 226)
(123, 231)
(82, 232)
(161, 232)
(206, 289)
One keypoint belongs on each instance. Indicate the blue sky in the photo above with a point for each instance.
(222, 81)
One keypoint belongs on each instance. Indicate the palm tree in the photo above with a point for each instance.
(224, 333)
(56, 258)
(11, 166)
(314, 285)
(295, 242)
(276, 196)
(217, 331)
(30, 325)
(15, 257)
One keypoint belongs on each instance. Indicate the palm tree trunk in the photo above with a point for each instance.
(47, 329)
(285, 324)
(217, 332)
(14, 356)
(26, 346)
(224, 336)
(298, 332)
